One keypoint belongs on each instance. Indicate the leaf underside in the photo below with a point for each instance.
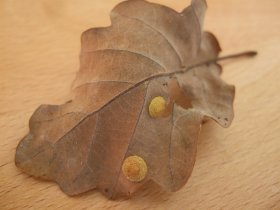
(82, 144)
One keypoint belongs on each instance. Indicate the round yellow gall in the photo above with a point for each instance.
(157, 107)
(134, 168)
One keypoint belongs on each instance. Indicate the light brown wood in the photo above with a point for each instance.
(236, 168)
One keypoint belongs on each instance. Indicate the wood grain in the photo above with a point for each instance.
(236, 168)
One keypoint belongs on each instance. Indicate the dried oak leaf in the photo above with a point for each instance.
(82, 144)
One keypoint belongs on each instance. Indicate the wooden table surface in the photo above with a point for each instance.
(236, 168)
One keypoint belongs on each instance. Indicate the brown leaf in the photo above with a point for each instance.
(83, 144)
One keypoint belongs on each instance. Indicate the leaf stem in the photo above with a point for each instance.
(239, 55)
(207, 62)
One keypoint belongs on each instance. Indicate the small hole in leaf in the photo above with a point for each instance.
(226, 119)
